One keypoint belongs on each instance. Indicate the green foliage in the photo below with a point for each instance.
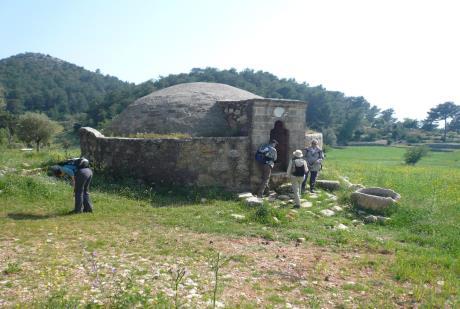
(443, 112)
(414, 154)
(37, 82)
(37, 128)
(12, 268)
(417, 249)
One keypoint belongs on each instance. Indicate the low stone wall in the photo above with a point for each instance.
(311, 136)
(202, 161)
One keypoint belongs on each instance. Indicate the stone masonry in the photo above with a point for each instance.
(208, 161)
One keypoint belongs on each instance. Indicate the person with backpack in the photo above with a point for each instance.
(81, 175)
(315, 157)
(297, 170)
(266, 156)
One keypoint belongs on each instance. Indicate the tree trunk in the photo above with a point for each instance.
(38, 146)
(445, 129)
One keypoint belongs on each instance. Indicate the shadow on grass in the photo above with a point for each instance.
(157, 195)
(30, 216)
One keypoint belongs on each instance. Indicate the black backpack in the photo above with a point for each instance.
(298, 170)
(78, 162)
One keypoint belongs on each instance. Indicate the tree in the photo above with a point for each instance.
(8, 122)
(409, 123)
(37, 128)
(444, 111)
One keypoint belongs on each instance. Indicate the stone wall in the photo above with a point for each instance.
(238, 116)
(202, 161)
(311, 136)
(266, 112)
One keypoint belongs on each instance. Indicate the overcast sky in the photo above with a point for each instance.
(397, 54)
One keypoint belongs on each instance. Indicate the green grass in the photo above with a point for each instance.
(134, 225)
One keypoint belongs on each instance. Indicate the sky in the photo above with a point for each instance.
(401, 54)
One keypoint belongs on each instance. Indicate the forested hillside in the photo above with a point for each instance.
(37, 82)
(66, 92)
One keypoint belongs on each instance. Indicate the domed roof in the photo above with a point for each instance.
(185, 108)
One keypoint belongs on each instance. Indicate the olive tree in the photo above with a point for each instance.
(36, 128)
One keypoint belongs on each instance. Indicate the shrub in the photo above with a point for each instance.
(414, 154)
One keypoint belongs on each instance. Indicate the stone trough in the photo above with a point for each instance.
(377, 199)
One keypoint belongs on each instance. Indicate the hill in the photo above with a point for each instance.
(37, 82)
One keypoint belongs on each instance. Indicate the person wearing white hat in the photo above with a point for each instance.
(297, 170)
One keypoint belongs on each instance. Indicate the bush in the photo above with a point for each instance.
(414, 154)
(329, 137)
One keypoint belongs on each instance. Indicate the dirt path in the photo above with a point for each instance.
(257, 272)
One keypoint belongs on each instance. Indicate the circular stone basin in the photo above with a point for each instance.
(375, 198)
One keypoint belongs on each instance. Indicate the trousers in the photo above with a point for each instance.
(82, 181)
(266, 173)
(313, 175)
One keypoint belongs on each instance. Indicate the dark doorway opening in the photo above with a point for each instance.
(281, 134)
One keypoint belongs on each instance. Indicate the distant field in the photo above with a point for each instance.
(128, 251)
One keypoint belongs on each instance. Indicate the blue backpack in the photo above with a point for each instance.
(261, 154)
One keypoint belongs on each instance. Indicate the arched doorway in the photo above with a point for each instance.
(281, 134)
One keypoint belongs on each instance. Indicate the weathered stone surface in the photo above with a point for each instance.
(254, 201)
(327, 212)
(382, 219)
(185, 108)
(370, 219)
(349, 185)
(284, 189)
(330, 185)
(306, 204)
(284, 197)
(341, 227)
(337, 208)
(245, 195)
(375, 198)
(196, 161)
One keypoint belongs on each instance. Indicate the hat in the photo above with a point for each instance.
(274, 141)
(298, 153)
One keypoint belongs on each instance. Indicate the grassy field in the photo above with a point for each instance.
(133, 248)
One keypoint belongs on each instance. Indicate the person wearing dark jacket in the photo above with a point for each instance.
(81, 176)
(269, 154)
(314, 156)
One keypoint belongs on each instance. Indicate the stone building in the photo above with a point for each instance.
(226, 126)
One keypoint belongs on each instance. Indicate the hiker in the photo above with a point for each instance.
(314, 156)
(297, 170)
(81, 175)
(266, 156)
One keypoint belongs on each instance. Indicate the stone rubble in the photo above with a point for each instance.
(327, 212)
(341, 227)
(254, 201)
(237, 216)
(337, 208)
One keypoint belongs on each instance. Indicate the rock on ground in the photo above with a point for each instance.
(337, 208)
(245, 195)
(327, 212)
(237, 216)
(342, 227)
(330, 185)
(254, 201)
